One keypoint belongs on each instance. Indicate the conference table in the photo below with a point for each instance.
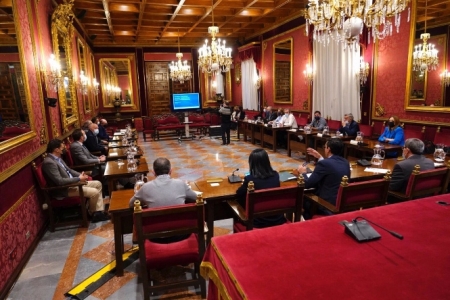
(260, 132)
(114, 171)
(316, 260)
(121, 153)
(369, 145)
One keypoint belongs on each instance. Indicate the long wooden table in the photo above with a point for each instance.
(388, 148)
(113, 171)
(259, 132)
(269, 263)
(121, 153)
(122, 218)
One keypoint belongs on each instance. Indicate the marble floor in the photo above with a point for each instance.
(66, 257)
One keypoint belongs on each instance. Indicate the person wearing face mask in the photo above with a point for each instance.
(57, 173)
(288, 120)
(412, 152)
(350, 127)
(82, 156)
(318, 122)
(393, 133)
(92, 143)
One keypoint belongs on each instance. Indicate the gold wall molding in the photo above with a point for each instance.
(19, 165)
(14, 207)
(379, 110)
(55, 130)
(42, 136)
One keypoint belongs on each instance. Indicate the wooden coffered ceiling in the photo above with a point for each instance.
(438, 13)
(7, 28)
(160, 22)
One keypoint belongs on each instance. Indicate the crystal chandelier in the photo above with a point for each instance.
(425, 56)
(95, 85)
(54, 78)
(83, 84)
(343, 20)
(180, 71)
(363, 71)
(445, 78)
(216, 57)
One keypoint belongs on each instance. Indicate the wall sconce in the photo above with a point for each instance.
(53, 77)
(258, 82)
(95, 85)
(445, 78)
(309, 74)
(363, 71)
(237, 73)
(83, 85)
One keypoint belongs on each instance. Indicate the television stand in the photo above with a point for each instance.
(187, 135)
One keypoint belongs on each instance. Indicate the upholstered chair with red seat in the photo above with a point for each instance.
(414, 132)
(55, 204)
(334, 125)
(148, 128)
(301, 121)
(165, 222)
(367, 130)
(441, 137)
(353, 196)
(424, 184)
(268, 202)
(87, 168)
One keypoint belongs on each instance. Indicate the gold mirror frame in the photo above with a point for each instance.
(83, 66)
(208, 91)
(410, 73)
(95, 102)
(62, 28)
(108, 75)
(279, 98)
(21, 139)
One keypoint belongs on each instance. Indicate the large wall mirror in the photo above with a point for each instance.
(62, 35)
(116, 82)
(16, 121)
(83, 80)
(424, 91)
(215, 86)
(282, 71)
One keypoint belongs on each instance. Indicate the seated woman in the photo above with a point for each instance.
(263, 177)
(393, 134)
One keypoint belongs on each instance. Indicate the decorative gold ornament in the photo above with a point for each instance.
(379, 110)
(43, 139)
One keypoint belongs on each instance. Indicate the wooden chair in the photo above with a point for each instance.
(148, 128)
(268, 202)
(367, 130)
(424, 184)
(301, 121)
(53, 204)
(169, 221)
(414, 133)
(354, 196)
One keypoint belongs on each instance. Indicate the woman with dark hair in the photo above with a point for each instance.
(393, 134)
(263, 177)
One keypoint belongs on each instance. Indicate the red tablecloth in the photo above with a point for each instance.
(317, 260)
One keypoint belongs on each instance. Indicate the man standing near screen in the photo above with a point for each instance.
(225, 112)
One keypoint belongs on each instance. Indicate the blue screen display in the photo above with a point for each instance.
(186, 101)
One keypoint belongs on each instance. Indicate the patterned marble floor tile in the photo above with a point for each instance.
(42, 287)
(103, 253)
(114, 285)
(104, 231)
(93, 241)
(86, 267)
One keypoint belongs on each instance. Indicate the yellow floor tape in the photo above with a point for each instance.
(79, 291)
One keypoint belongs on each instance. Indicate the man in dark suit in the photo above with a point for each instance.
(327, 174)
(57, 173)
(92, 142)
(102, 134)
(81, 155)
(412, 152)
(349, 127)
(225, 112)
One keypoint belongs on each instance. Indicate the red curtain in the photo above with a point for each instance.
(254, 52)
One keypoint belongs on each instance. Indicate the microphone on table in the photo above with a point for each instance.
(234, 178)
(363, 232)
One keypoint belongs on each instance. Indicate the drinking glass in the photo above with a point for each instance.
(120, 162)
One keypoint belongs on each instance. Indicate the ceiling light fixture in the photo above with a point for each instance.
(217, 57)
(344, 20)
(180, 71)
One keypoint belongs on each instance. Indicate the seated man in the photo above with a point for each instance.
(270, 114)
(412, 152)
(164, 191)
(102, 134)
(327, 174)
(288, 120)
(92, 143)
(57, 173)
(318, 122)
(349, 127)
(81, 155)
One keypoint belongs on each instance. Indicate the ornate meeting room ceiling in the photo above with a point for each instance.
(157, 23)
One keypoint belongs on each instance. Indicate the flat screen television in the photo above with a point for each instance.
(186, 102)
